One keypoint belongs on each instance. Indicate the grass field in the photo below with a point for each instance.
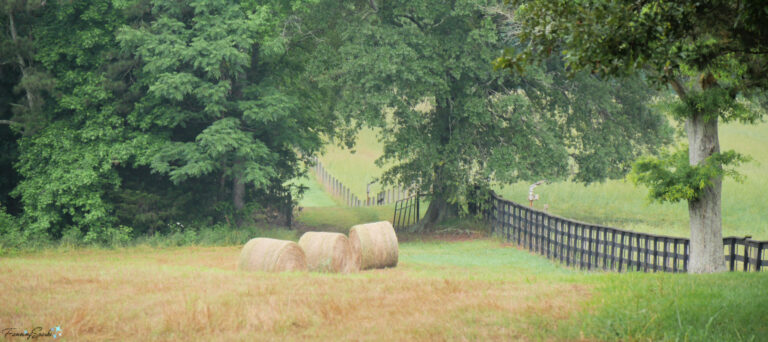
(620, 203)
(324, 212)
(447, 287)
(315, 195)
(356, 169)
(441, 290)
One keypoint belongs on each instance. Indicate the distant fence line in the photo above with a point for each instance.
(338, 189)
(590, 246)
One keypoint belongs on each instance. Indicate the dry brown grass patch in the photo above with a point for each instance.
(195, 294)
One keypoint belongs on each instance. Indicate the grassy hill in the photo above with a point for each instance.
(356, 168)
(616, 203)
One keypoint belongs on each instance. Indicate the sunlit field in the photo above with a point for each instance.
(356, 168)
(620, 203)
(441, 290)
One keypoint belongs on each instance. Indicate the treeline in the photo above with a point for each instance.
(120, 118)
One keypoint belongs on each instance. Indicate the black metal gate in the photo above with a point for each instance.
(406, 212)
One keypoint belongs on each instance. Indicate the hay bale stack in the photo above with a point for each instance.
(328, 252)
(375, 244)
(271, 255)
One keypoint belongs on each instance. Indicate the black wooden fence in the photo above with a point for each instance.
(590, 246)
(407, 212)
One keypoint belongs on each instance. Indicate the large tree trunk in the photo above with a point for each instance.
(439, 209)
(238, 199)
(238, 193)
(707, 255)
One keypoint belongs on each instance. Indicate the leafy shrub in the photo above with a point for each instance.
(109, 236)
(11, 236)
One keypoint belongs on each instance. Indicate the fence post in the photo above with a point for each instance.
(394, 219)
(733, 254)
(746, 253)
(567, 240)
(418, 212)
(675, 260)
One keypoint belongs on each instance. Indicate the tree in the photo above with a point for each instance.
(713, 54)
(72, 135)
(122, 117)
(221, 93)
(450, 123)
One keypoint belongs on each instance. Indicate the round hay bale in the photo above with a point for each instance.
(271, 255)
(374, 244)
(328, 252)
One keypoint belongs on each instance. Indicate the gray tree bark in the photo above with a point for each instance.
(31, 100)
(238, 193)
(439, 209)
(707, 253)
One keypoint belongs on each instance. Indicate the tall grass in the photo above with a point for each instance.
(677, 307)
(217, 235)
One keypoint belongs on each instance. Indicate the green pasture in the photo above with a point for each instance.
(617, 203)
(356, 168)
(625, 306)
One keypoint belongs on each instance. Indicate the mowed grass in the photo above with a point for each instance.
(617, 203)
(340, 219)
(621, 204)
(315, 195)
(463, 290)
(356, 168)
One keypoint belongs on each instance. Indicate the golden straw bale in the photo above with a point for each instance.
(271, 255)
(374, 244)
(328, 252)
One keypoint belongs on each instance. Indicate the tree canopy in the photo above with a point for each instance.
(451, 124)
(127, 118)
(131, 115)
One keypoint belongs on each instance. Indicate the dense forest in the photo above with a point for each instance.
(123, 118)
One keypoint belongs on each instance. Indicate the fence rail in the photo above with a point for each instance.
(338, 189)
(407, 212)
(589, 246)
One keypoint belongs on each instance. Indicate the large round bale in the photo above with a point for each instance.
(271, 255)
(328, 252)
(375, 244)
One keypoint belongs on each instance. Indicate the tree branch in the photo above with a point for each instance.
(678, 87)
(31, 101)
(14, 37)
(413, 20)
(373, 5)
(9, 122)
